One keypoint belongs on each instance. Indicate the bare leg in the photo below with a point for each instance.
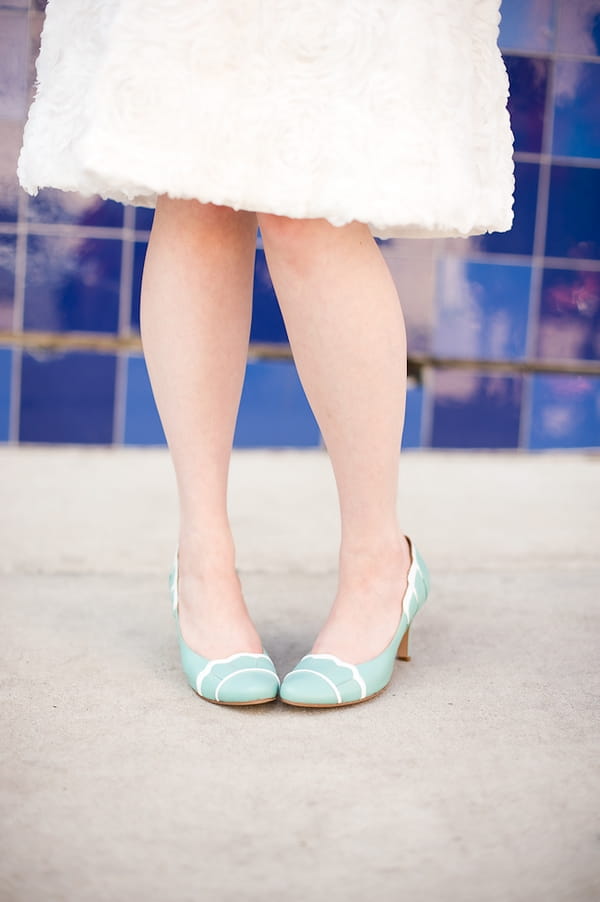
(195, 322)
(347, 334)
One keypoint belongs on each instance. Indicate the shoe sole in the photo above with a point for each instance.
(357, 701)
(258, 701)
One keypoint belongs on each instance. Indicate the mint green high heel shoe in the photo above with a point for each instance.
(246, 678)
(325, 681)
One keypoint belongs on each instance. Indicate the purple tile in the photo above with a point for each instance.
(527, 100)
(5, 383)
(144, 217)
(72, 283)
(139, 256)
(569, 318)
(565, 412)
(66, 207)
(67, 398)
(482, 310)
(142, 422)
(274, 411)
(8, 244)
(267, 322)
(519, 240)
(577, 109)
(579, 27)
(527, 24)
(14, 54)
(573, 220)
(10, 143)
(475, 410)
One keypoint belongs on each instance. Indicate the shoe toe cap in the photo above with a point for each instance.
(246, 686)
(304, 688)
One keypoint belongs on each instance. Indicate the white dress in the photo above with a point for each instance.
(389, 112)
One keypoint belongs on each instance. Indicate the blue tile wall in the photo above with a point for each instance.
(565, 412)
(67, 398)
(267, 321)
(8, 247)
(519, 239)
(473, 410)
(527, 24)
(74, 264)
(576, 120)
(144, 217)
(573, 220)
(72, 283)
(578, 27)
(52, 206)
(413, 418)
(139, 255)
(10, 137)
(482, 310)
(569, 317)
(142, 422)
(528, 77)
(274, 411)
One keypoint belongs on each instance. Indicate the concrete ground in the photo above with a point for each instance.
(474, 777)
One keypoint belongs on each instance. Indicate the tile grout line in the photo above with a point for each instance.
(18, 320)
(537, 259)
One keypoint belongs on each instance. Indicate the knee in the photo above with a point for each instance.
(206, 221)
(284, 232)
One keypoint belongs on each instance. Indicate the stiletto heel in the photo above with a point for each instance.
(403, 654)
(246, 678)
(325, 681)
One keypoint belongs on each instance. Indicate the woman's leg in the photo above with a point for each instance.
(347, 334)
(195, 322)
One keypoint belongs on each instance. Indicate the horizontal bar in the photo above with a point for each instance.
(100, 343)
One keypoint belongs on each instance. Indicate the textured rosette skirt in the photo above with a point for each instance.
(389, 112)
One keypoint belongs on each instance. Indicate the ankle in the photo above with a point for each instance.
(381, 552)
(206, 553)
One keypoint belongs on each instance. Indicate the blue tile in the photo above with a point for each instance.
(267, 322)
(519, 240)
(67, 398)
(527, 100)
(72, 283)
(66, 207)
(142, 422)
(139, 256)
(8, 245)
(577, 109)
(527, 24)
(578, 28)
(565, 412)
(475, 410)
(573, 220)
(274, 411)
(5, 383)
(411, 436)
(482, 309)
(144, 216)
(569, 315)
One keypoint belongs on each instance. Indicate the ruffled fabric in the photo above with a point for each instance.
(389, 112)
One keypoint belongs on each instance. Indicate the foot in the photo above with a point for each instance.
(213, 616)
(368, 605)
